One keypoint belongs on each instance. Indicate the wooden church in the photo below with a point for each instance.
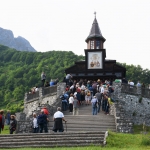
(95, 66)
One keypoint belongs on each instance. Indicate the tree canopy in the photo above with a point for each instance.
(20, 71)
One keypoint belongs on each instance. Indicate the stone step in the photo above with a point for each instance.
(52, 146)
(59, 134)
(53, 139)
(85, 121)
(55, 145)
(85, 117)
(50, 138)
(88, 123)
(74, 129)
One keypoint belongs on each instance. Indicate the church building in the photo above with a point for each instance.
(95, 66)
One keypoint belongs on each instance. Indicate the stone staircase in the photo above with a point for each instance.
(85, 121)
(82, 130)
(53, 139)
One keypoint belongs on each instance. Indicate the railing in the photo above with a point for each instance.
(42, 92)
(32, 95)
(144, 92)
(49, 90)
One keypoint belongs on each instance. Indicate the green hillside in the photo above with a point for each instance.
(20, 71)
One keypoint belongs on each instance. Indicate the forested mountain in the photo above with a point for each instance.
(20, 71)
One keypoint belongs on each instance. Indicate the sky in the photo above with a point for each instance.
(65, 24)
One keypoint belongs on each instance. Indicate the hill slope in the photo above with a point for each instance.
(20, 71)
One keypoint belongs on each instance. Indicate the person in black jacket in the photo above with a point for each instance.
(42, 121)
(13, 124)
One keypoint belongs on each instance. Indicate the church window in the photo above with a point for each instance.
(92, 44)
(97, 44)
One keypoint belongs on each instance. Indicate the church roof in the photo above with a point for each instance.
(95, 31)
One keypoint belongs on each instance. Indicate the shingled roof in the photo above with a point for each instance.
(95, 31)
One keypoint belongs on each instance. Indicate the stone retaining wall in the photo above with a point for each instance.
(49, 100)
(134, 107)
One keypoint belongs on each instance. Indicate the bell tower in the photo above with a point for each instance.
(95, 66)
(95, 54)
(95, 40)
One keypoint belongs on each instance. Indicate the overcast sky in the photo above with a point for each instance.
(65, 24)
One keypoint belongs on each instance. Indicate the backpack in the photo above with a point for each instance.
(88, 94)
(112, 100)
(95, 104)
(111, 89)
(62, 97)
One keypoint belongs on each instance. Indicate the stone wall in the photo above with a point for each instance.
(50, 101)
(135, 106)
(50, 98)
(33, 105)
(128, 109)
(124, 123)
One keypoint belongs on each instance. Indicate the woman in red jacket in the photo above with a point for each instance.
(2, 120)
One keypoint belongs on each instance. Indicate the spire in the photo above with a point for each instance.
(95, 31)
(95, 14)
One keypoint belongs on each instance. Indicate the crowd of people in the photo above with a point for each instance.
(77, 93)
(96, 93)
(39, 123)
(87, 92)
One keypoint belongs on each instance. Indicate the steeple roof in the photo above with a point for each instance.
(95, 31)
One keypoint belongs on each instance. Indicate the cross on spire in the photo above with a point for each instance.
(95, 14)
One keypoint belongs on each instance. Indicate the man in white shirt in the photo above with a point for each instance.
(131, 84)
(36, 89)
(101, 89)
(58, 121)
(71, 99)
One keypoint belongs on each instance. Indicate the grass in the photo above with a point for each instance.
(140, 140)
(138, 129)
(6, 130)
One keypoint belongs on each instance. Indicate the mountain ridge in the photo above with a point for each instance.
(19, 43)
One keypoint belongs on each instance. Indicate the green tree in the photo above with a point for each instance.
(18, 93)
